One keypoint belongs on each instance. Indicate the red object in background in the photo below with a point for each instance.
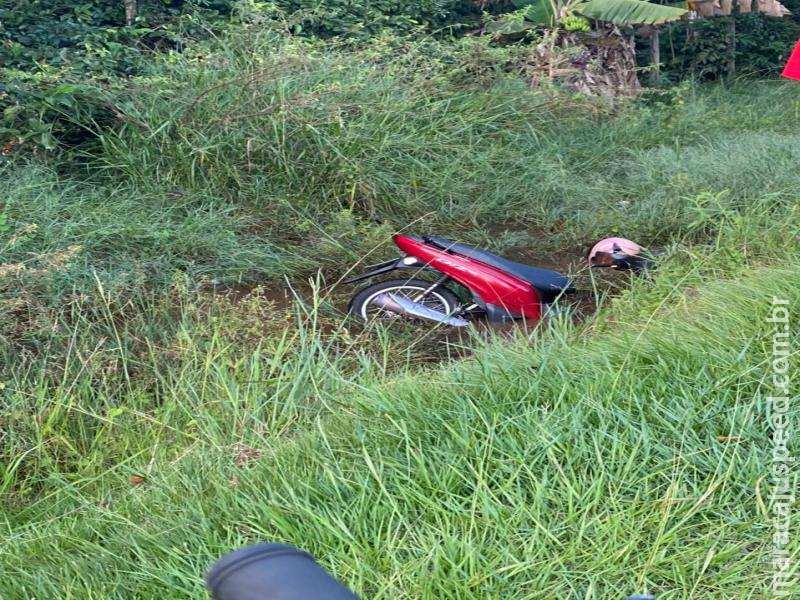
(492, 285)
(792, 68)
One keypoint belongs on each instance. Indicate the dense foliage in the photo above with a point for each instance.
(357, 18)
(63, 62)
(61, 59)
(91, 35)
(701, 50)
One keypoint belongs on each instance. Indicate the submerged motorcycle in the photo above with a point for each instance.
(495, 288)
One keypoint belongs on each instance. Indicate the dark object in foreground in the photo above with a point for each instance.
(278, 572)
(272, 572)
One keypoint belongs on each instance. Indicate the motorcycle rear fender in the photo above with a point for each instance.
(499, 291)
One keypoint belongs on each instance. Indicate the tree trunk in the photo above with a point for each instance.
(655, 56)
(732, 48)
(690, 30)
(130, 12)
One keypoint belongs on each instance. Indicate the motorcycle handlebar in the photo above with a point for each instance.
(278, 572)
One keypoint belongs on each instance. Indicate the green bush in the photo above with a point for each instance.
(59, 57)
(762, 46)
(364, 19)
(90, 35)
(43, 111)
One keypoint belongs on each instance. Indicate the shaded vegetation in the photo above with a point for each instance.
(702, 51)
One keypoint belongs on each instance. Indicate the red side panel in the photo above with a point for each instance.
(792, 68)
(492, 285)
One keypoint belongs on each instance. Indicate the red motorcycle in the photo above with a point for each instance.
(494, 287)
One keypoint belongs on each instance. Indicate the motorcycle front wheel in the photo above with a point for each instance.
(440, 299)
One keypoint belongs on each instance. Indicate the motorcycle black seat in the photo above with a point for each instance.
(549, 284)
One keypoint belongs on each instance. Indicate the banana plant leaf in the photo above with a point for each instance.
(629, 12)
(541, 12)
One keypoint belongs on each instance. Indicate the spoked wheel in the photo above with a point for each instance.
(441, 299)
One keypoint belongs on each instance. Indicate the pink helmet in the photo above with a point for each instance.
(618, 253)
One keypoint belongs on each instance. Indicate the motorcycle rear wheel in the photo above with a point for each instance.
(440, 299)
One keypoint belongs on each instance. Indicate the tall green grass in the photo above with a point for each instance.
(298, 135)
(265, 156)
(546, 466)
(622, 456)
